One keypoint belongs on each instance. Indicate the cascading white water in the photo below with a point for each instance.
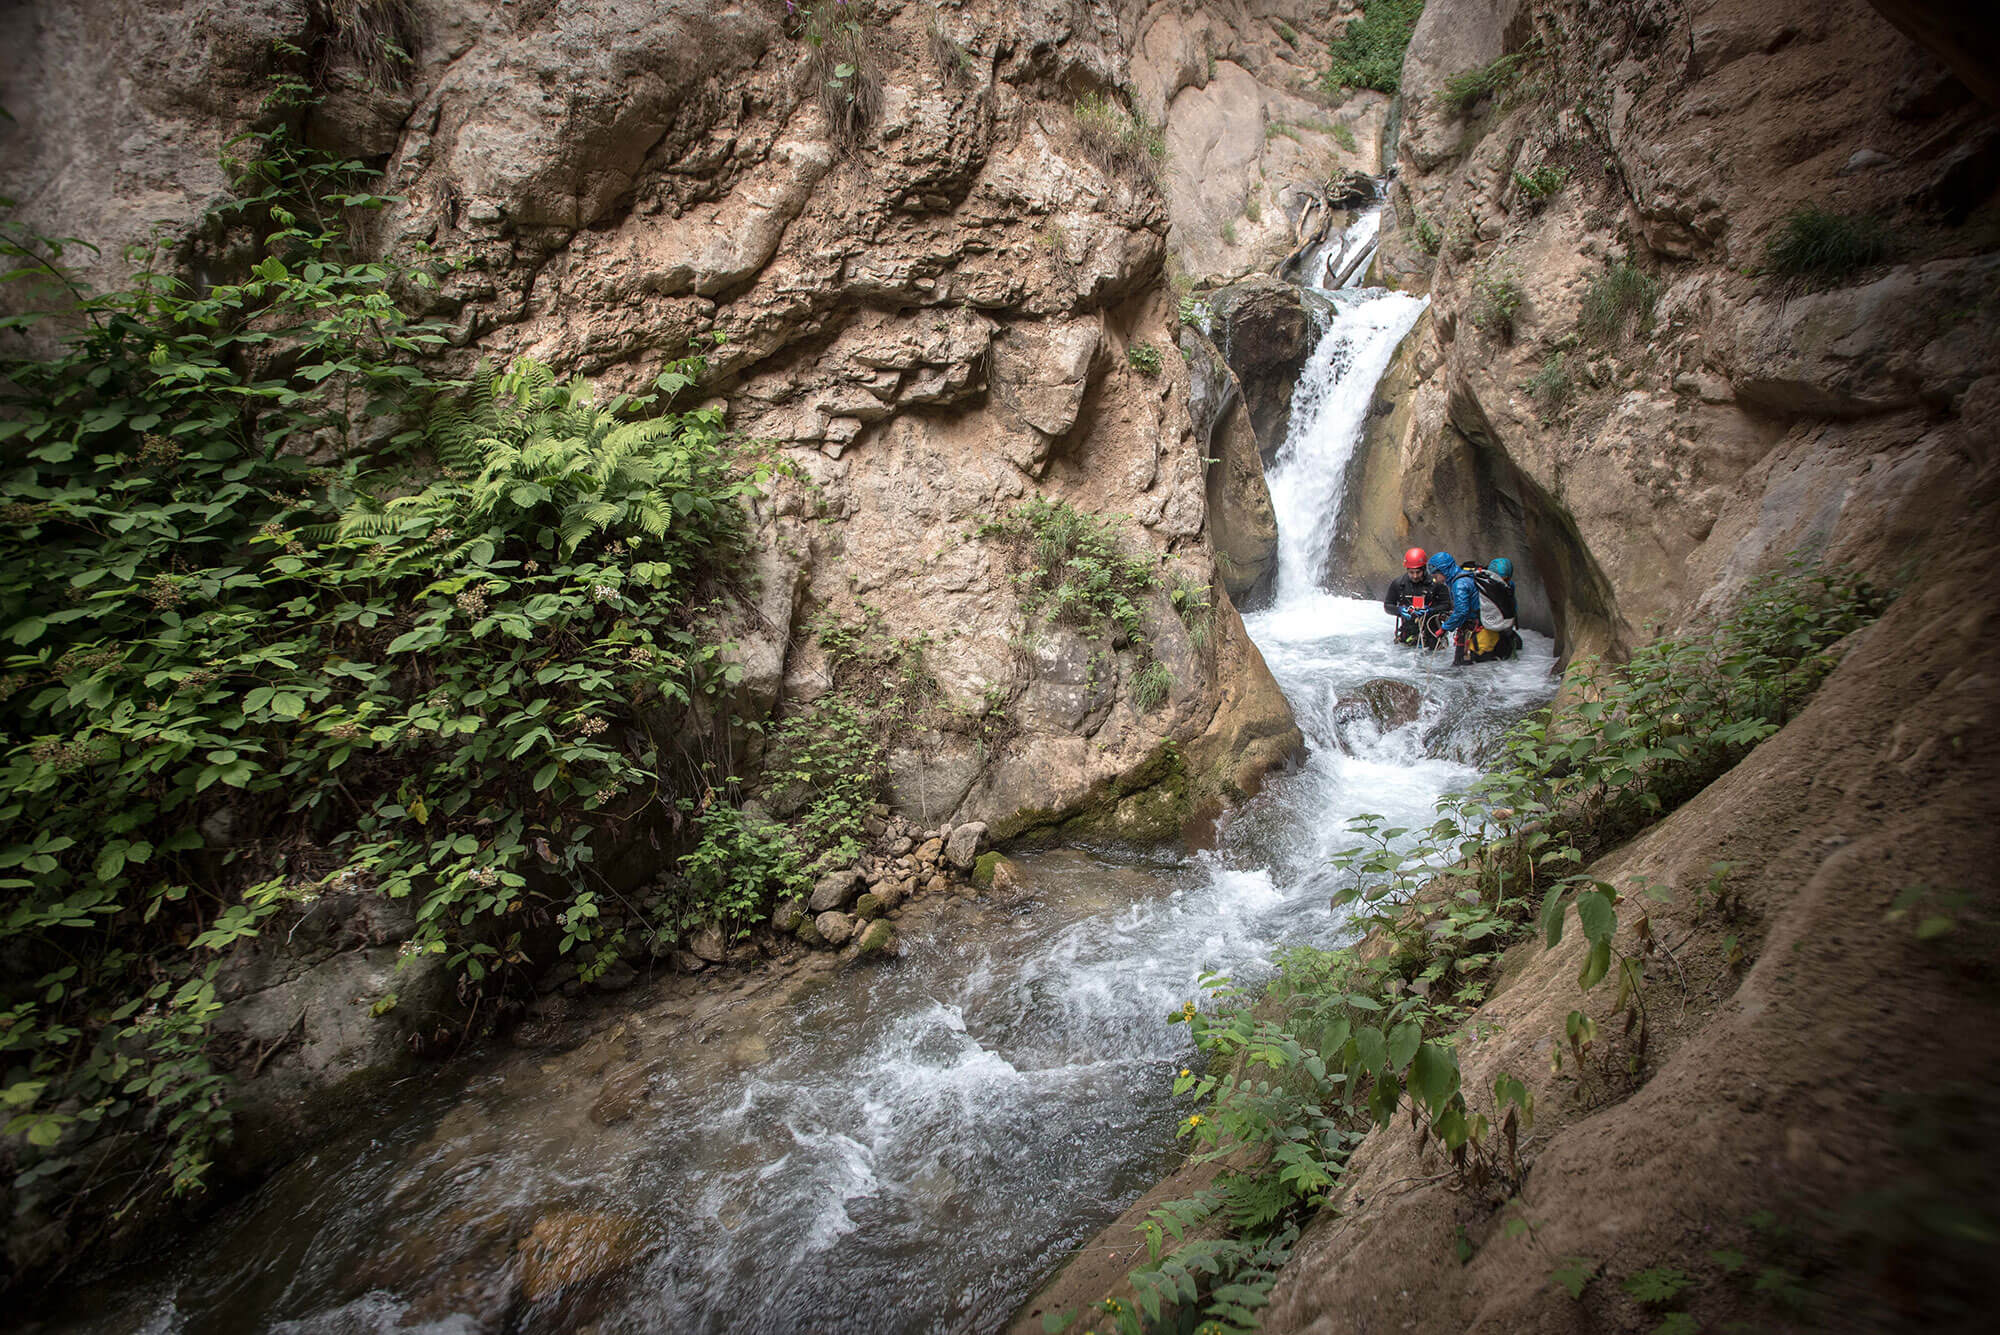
(907, 1148)
(1329, 407)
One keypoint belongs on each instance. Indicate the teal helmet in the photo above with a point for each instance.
(1502, 567)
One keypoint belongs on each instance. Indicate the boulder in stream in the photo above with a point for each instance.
(963, 846)
(835, 890)
(879, 938)
(567, 1247)
(834, 927)
(1392, 703)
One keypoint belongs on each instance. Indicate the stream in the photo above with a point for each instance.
(906, 1148)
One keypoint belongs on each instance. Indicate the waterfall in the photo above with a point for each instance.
(1329, 409)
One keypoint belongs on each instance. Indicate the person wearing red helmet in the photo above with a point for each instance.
(1414, 599)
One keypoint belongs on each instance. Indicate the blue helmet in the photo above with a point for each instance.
(1441, 561)
(1502, 567)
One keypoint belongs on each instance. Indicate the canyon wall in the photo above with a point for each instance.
(1779, 1151)
(934, 299)
(1649, 469)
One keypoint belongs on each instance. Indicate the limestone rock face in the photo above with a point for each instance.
(930, 324)
(1251, 143)
(1643, 473)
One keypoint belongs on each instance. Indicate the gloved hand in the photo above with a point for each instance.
(1406, 612)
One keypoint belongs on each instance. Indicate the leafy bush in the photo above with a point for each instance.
(1368, 53)
(1463, 91)
(1119, 140)
(1192, 310)
(1288, 34)
(1541, 182)
(1823, 247)
(1497, 298)
(239, 681)
(1144, 358)
(1428, 238)
(1077, 573)
(1620, 295)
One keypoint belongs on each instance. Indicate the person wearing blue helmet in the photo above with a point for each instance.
(1464, 600)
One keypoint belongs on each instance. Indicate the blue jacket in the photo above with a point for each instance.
(1464, 596)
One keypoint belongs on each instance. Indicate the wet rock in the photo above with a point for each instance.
(834, 928)
(835, 890)
(708, 944)
(689, 962)
(788, 915)
(963, 846)
(878, 938)
(620, 1096)
(891, 894)
(809, 933)
(930, 851)
(569, 1247)
(869, 907)
(1392, 703)
(994, 871)
(936, 884)
(616, 978)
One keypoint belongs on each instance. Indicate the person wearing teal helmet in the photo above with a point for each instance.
(1497, 636)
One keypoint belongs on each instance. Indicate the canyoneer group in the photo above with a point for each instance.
(1436, 601)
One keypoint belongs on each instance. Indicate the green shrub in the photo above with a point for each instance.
(1119, 140)
(1463, 91)
(1253, 208)
(1497, 298)
(1152, 686)
(1619, 295)
(1194, 601)
(1077, 571)
(1822, 247)
(447, 697)
(1193, 311)
(846, 77)
(1144, 358)
(1540, 182)
(1428, 238)
(1343, 134)
(1368, 53)
(1229, 233)
(1288, 34)
(1552, 388)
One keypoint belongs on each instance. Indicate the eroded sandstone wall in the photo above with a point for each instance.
(931, 321)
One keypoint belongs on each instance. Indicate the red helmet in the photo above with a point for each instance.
(1413, 559)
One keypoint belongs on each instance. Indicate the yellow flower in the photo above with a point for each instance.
(1195, 1120)
(1185, 1073)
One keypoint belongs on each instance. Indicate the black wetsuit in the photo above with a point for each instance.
(1407, 592)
